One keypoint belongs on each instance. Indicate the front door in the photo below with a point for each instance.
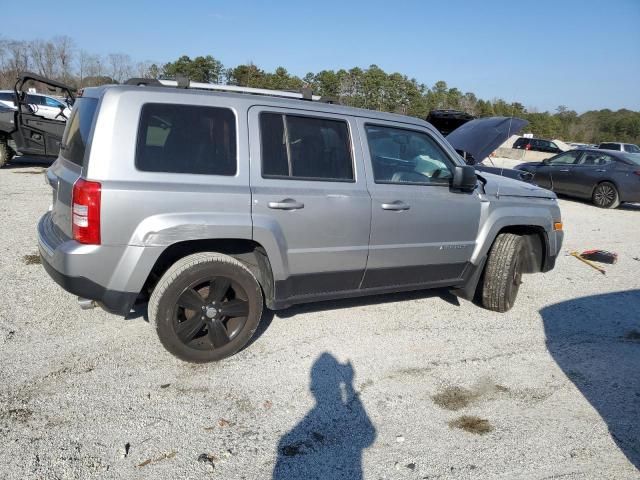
(561, 169)
(38, 135)
(422, 233)
(308, 190)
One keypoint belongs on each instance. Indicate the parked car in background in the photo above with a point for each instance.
(606, 178)
(620, 147)
(446, 121)
(44, 105)
(537, 145)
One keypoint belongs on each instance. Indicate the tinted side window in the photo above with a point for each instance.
(300, 147)
(186, 139)
(632, 148)
(76, 135)
(6, 96)
(35, 100)
(407, 157)
(567, 158)
(596, 159)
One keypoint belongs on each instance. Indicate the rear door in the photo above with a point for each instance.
(590, 169)
(422, 233)
(68, 167)
(308, 189)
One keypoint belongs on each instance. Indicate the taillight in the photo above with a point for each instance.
(637, 172)
(86, 211)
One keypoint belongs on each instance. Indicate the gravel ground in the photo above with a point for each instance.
(397, 386)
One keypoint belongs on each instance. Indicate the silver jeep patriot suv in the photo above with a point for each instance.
(210, 204)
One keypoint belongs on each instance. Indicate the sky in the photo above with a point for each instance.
(583, 54)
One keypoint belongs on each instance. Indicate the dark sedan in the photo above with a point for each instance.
(607, 178)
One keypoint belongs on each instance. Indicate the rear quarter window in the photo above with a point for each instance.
(76, 136)
(186, 139)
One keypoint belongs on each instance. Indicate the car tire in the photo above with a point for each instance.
(6, 154)
(206, 307)
(503, 272)
(605, 195)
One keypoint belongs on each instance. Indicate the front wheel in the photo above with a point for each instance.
(605, 195)
(206, 307)
(503, 273)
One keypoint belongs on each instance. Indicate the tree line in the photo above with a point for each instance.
(59, 58)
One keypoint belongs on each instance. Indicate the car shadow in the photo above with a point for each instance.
(23, 161)
(329, 441)
(623, 206)
(140, 310)
(268, 315)
(596, 342)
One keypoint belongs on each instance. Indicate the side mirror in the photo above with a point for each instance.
(545, 161)
(464, 178)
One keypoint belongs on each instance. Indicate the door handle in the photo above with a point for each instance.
(564, 170)
(601, 170)
(397, 206)
(286, 204)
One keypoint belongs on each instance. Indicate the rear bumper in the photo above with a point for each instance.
(119, 303)
(88, 271)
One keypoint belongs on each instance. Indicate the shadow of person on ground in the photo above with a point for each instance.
(596, 342)
(328, 442)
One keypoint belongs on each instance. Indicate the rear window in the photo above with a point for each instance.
(76, 135)
(305, 148)
(610, 146)
(632, 157)
(186, 139)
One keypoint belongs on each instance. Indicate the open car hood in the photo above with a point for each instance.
(482, 136)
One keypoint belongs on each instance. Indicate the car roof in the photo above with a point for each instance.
(613, 153)
(265, 100)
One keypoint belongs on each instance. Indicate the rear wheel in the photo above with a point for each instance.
(6, 154)
(206, 307)
(605, 195)
(503, 273)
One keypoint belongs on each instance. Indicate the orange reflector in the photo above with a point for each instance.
(557, 226)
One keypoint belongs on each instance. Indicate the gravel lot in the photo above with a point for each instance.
(397, 386)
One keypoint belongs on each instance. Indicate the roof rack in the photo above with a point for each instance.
(183, 82)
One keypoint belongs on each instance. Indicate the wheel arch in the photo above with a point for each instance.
(605, 180)
(249, 252)
(536, 245)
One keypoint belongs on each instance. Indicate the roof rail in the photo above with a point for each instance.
(182, 82)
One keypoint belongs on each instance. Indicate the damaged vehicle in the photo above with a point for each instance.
(475, 139)
(31, 130)
(254, 199)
